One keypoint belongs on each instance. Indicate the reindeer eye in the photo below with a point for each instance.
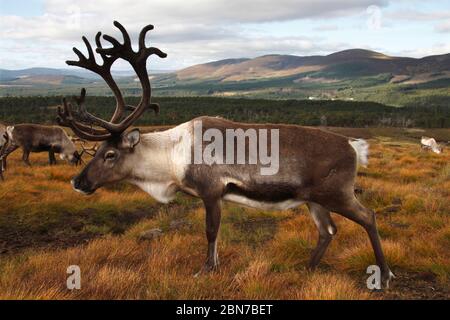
(110, 155)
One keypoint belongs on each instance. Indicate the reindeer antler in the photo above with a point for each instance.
(88, 150)
(91, 151)
(81, 121)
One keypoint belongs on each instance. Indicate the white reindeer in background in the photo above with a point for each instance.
(430, 144)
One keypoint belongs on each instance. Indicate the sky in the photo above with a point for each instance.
(41, 33)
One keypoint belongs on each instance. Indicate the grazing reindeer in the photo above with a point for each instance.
(3, 140)
(39, 138)
(315, 167)
(430, 144)
(3, 146)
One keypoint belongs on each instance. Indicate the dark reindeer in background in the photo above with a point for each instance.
(3, 145)
(39, 138)
(316, 167)
(4, 139)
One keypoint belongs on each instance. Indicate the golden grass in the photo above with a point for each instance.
(262, 254)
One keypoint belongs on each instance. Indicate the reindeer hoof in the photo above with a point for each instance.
(386, 278)
(206, 269)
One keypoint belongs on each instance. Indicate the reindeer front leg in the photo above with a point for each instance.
(213, 215)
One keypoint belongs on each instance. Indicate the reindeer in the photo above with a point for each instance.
(3, 140)
(430, 144)
(3, 146)
(39, 138)
(316, 168)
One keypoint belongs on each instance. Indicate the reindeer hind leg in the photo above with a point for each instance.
(352, 209)
(26, 156)
(326, 228)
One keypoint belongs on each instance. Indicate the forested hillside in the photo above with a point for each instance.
(175, 110)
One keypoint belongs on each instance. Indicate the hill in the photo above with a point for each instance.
(343, 64)
(354, 74)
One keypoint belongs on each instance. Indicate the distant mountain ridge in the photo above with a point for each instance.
(34, 74)
(11, 75)
(347, 63)
(343, 64)
(354, 74)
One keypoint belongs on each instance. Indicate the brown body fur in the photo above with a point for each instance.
(300, 176)
(316, 167)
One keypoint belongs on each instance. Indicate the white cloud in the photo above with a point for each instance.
(327, 27)
(419, 15)
(436, 49)
(443, 27)
(191, 31)
(217, 11)
(61, 17)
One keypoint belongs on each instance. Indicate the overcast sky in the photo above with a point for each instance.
(42, 32)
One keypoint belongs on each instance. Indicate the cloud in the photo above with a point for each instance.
(192, 31)
(414, 15)
(228, 11)
(64, 19)
(326, 27)
(435, 49)
(443, 27)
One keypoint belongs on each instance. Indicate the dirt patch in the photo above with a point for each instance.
(69, 229)
(414, 286)
(256, 231)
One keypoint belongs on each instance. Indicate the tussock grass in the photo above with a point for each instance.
(45, 227)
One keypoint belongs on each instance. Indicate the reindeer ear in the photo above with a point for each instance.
(131, 138)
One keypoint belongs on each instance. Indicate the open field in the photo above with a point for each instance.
(45, 226)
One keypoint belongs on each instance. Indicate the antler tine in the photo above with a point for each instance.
(151, 50)
(81, 111)
(80, 99)
(126, 37)
(87, 63)
(66, 119)
(98, 42)
(142, 35)
(117, 47)
(154, 106)
(90, 151)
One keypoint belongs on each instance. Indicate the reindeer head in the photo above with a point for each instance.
(112, 161)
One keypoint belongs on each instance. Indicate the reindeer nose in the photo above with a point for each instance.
(75, 183)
